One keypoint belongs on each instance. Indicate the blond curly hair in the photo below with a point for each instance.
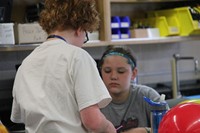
(64, 14)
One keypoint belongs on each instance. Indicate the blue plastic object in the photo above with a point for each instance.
(193, 97)
(158, 110)
(120, 27)
(115, 22)
(116, 33)
(125, 33)
(125, 22)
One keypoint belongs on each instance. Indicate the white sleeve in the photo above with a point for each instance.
(89, 87)
(16, 112)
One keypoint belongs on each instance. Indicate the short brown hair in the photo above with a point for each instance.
(63, 14)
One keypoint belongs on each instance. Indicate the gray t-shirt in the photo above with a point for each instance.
(135, 110)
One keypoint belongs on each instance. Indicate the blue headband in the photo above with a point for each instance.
(123, 55)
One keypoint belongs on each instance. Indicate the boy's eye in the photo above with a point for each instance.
(121, 70)
(107, 70)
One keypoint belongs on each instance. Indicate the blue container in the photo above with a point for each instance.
(158, 110)
(120, 27)
(156, 117)
(115, 22)
(125, 33)
(125, 22)
(116, 34)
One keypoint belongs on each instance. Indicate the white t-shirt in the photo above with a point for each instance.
(52, 85)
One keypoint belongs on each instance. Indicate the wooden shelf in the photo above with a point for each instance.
(138, 41)
(160, 40)
(90, 44)
(24, 47)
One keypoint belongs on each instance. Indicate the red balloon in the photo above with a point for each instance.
(183, 118)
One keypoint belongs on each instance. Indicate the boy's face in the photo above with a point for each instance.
(117, 74)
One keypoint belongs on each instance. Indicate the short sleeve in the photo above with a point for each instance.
(89, 87)
(16, 112)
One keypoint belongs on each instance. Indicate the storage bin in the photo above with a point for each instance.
(162, 24)
(159, 22)
(115, 22)
(7, 33)
(188, 26)
(120, 27)
(169, 20)
(125, 33)
(125, 22)
(180, 19)
(94, 35)
(145, 33)
(29, 33)
(116, 34)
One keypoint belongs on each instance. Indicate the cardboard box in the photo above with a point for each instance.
(145, 33)
(7, 33)
(29, 33)
(94, 35)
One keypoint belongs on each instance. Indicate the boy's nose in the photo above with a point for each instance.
(113, 76)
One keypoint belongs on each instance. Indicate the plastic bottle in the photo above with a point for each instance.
(158, 110)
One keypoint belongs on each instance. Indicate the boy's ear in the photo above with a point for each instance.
(78, 32)
(134, 73)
